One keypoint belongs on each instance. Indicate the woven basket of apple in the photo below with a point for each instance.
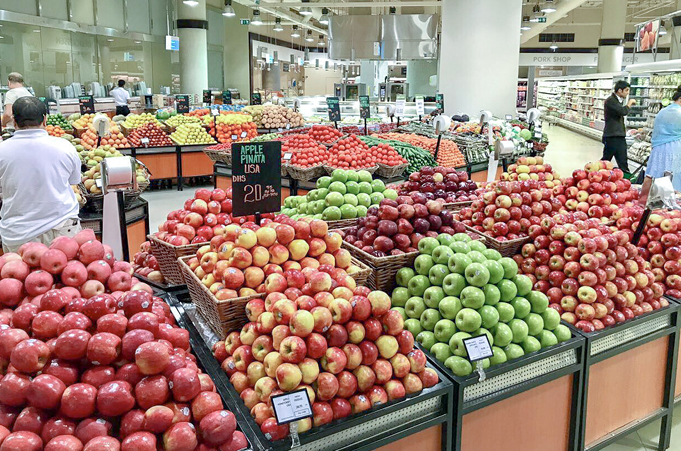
(452, 186)
(220, 153)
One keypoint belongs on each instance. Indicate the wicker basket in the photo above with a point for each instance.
(383, 269)
(95, 202)
(223, 316)
(362, 276)
(456, 206)
(166, 254)
(305, 174)
(329, 170)
(391, 171)
(342, 223)
(219, 156)
(505, 248)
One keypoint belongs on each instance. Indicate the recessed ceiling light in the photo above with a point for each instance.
(190, 2)
(36, 31)
(525, 28)
(548, 10)
(553, 46)
(138, 42)
(110, 40)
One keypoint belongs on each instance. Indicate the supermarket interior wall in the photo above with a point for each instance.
(418, 77)
(236, 56)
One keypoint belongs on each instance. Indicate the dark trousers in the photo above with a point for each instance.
(616, 146)
(124, 110)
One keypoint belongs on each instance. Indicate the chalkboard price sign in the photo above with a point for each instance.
(440, 100)
(182, 103)
(148, 101)
(256, 98)
(364, 109)
(333, 107)
(86, 104)
(256, 178)
(226, 97)
(207, 96)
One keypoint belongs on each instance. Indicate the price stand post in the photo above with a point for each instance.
(256, 178)
(364, 111)
(333, 108)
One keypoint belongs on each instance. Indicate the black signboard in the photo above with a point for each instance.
(86, 104)
(364, 111)
(182, 101)
(440, 100)
(256, 98)
(333, 107)
(207, 96)
(226, 97)
(256, 178)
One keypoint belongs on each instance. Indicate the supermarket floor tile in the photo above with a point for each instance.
(568, 150)
(161, 202)
(645, 439)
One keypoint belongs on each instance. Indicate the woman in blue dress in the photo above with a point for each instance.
(666, 142)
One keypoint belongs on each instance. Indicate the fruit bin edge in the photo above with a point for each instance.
(443, 389)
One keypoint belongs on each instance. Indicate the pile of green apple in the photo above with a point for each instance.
(460, 289)
(346, 194)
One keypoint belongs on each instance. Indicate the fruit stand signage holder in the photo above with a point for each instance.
(227, 97)
(256, 98)
(333, 108)
(420, 106)
(182, 103)
(86, 104)
(364, 110)
(207, 96)
(478, 349)
(440, 101)
(289, 408)
(256, 177)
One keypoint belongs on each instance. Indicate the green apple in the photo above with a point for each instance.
(423, 263)
(350, 199)
(444, 329)
(364, 176)
(468, 320)
(376, 198)
(348, 211)
(413, 325)
(404, 275)
(472, 297)
(456, 344)
(426, 338)
(445, 239)
(476, 274)
(453, 284)
(441, 254)
(322, 193)
(496, 271)
(489, 315)
(523, 283)
(441, 351)
(323, 182)
(400, 296)
(339, 175)
(562, 333)
(521, 306)
(503, 335)
(429, 318)
(352, 176)
(458, 263)
(459, 247)
(338, 187)
(402, 312)
(531, 344)
(513, 351)
(334, 199)
(361, 211)
(510, 267)
(427, 245)
(331, 214)
(508, 290)
(476, 245)
(499, 356)
(318, 206)
(462, 237)
(432, 296)
(492, 294)
(535, 324)
(417, 285)
(491, 254)
(538, 300)
(365, 187)
(551, 318)
(414, 307)
(390, 194)
(519, 329)
(437, 274)
(312, 195)
(449, 307)
(378, 186)
(364, 199)
(484, 331)
(352, 187)
(506, 311)
(547, 338)
(476, 256)
(459, 366)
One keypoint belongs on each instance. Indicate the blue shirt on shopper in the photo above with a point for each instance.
(667, 126)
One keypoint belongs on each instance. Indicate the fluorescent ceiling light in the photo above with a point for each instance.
(553, 46)
(525, 28)
(190, 2)
(548, 10)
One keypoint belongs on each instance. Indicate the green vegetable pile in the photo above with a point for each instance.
(416, 156)
(59, 120)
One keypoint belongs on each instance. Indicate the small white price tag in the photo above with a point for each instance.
(478, 348)
(399, 107)
(234, 137)
(420, 106)
(292, 406)
(244, 134)
(288, 156)
(145, 141)
(98, 183)
(537, 135)
(215, 112)
(288, 126)
(509, 117)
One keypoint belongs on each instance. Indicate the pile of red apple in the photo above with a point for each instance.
(144, 264)
(396, 226)
(340, 342)
(152, 135)
(236, 263)
(508, 209)
(443, 183)
(598, 190)
(532, 168)
(593, 276)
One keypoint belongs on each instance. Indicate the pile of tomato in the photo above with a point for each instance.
(351, 153)
(229, 133)
(220, 146)
(387, 155)
(324, 133)
(306, 152)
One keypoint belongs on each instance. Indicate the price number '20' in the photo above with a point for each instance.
(256, 193)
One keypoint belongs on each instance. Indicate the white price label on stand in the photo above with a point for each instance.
(145, 141)
(478, 348)
(492, 166)
(509, 117)
(291, 406)
(215, 112)
(288, 156)
(420, 106)
(234, 137)
(399, 107)
(244, 134)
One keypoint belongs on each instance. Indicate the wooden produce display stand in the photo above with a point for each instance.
(629, 379)
(136, 230)
(423, 421)
(528, 404)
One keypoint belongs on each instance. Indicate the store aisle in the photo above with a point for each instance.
(646, 438)
(568, 150)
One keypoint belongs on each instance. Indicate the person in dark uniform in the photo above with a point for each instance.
(614, 133)
(121, 97)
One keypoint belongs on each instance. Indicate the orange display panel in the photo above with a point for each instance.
(161, 165)
(677, 392)
(482, 175)
(608, 406)
(426, 440)
(196, 164)
(534, 420)
(223, 182)
(136, 236)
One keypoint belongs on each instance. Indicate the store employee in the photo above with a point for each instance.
(615, 133)
(121, 97)
(36, 174)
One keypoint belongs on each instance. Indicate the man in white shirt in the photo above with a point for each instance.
(121, 97)
(36, 174)
(16, 91)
